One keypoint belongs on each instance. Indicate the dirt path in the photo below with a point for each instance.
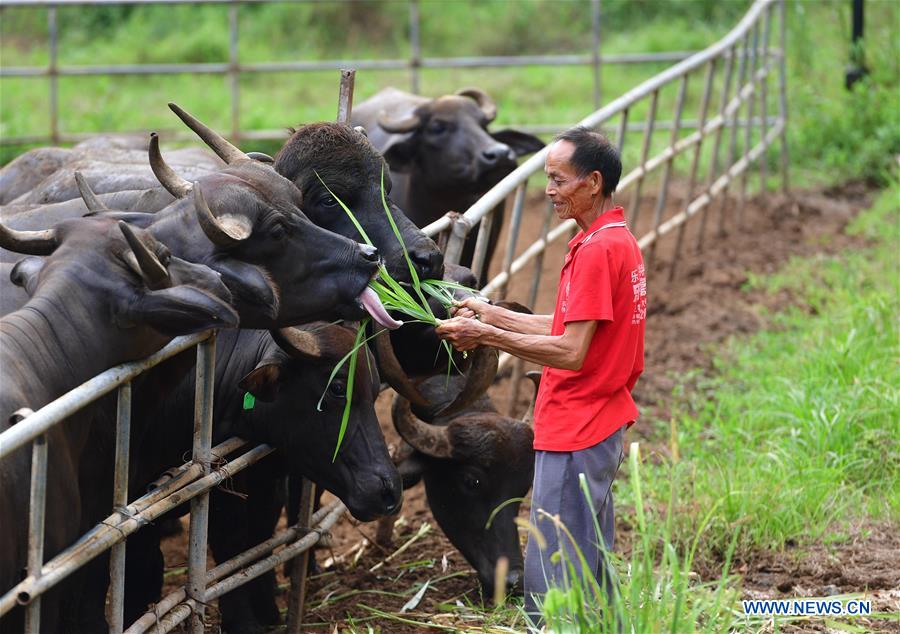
(688, 318)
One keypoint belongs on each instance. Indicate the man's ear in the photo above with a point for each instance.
(180, 310)
(596, 179)
(25, 273)
(262, 381)
(521, 143)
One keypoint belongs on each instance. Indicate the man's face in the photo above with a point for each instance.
(571, 196)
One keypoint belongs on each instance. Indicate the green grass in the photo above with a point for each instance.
(801, 435)
(834, 135)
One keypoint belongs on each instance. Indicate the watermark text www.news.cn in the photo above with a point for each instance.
(807, 607)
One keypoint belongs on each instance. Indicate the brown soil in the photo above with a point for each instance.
(703, 305)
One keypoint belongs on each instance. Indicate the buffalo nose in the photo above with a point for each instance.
(429, 263)
(495, 154)
(391, 495)
(369, 252)
(514, 582)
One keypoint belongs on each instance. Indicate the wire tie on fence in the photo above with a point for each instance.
(116, 527)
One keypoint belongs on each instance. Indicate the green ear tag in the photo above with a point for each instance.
(249, 400)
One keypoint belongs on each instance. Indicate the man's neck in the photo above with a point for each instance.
(599, 208)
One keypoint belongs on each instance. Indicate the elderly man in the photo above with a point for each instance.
(593, 350)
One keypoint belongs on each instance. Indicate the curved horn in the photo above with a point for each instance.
(93, 204)
(166, 176)
(217, 143)
(535, 377)
(262, 157)
(431, 440)
(392, 373)
(154, 273)
(217, 232)
(403, 124)
(487, 105)
(28, 242)
(485, 361)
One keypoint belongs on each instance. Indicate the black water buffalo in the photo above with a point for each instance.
(473, 462)
(287, 371)
(281, 268)
(105, 294)
(441, 155)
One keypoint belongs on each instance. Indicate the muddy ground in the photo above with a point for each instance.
(705, 303)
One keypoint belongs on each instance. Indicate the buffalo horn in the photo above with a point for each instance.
(391, 371)
(93, 204)
(535, 377)
(262, 157)
(485, 361)
(216, 231)
(154, 273)
(217, 143)
(28, 242)
(403, 124)
(166, 176)
(487, 105)
(431, 440)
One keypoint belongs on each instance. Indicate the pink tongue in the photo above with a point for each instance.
(375, 308)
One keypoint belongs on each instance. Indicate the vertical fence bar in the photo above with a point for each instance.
(514, 226)
(645, 150)
(518, 364)
(595, 51)
(782, 97)
(763, 99)
(415, 46)
(481, 243)
(733, 123)
(36, 516)
(234, 77)
(623, 129)
(120, 500)
(748, 131)
(300, 570)
(53, 36)
(714, 160)
(667, 170)
(695, 161)
(203, 410)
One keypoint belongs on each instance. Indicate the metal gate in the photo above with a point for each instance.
(733, 76)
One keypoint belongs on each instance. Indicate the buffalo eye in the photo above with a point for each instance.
(437, 127)
(329, 201)
(471, 482)
(337, 389)
(279, 230)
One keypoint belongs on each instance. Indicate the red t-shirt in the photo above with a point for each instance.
(602, 279)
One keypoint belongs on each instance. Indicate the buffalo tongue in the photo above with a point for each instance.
(374, 307)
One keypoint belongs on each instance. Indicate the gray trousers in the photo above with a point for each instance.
(557, 491)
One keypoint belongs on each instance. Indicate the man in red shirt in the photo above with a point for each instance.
(593, 350)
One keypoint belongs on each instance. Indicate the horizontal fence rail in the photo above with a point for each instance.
(733, 122)
(233, 68)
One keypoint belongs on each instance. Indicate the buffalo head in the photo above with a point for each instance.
(333, 156)
(288, 382)
(476, 465)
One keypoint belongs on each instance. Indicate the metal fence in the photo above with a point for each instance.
(747, 46)
(745, 58)
(234, 68)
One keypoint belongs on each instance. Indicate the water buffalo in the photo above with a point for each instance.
(105, 294)
(287, 371)
(441, 155)
(473, 462)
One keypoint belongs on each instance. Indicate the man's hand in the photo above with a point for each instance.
(470, 308)
(463, 332)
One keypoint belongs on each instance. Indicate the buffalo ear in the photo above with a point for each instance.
(411, 470)
(401, 153)
(521, 142)
(180, 310)
(249, 286)
(262, 381)
(25, 273)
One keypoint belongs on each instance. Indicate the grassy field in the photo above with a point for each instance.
(831, 129)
